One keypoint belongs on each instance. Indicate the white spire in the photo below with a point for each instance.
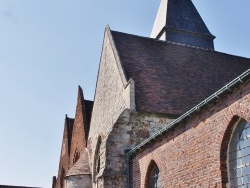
(161, 19)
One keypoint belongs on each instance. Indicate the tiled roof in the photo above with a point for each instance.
(81, 167)
(171, 78)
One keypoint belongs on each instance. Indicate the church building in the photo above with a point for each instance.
(169, 111)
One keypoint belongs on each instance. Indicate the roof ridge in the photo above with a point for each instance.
(179, 44)
(162, 41)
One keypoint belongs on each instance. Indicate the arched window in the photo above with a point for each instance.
(76, 156)
(239, 156)
(97, 159)
(153, 176)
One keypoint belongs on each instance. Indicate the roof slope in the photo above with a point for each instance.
(179, 21)
(81, 167)
(171, 78)
(182, 14)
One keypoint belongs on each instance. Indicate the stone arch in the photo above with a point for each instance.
(151, 167)
(149, 161)
(236, 112)
(224, 150)
(238, 154)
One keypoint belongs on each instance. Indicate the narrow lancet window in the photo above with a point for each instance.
(76, 156)
(97, 159)
(153, 178)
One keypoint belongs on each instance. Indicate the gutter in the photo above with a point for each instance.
(128, 157)
(244, 77)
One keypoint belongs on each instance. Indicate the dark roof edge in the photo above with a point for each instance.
(180, 44)
(244, 77)
(191, 32)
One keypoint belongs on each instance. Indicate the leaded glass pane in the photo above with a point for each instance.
(239, 156)
(155, 178)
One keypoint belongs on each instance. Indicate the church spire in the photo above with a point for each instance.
(178, 21)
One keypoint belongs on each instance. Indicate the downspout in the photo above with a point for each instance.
(128, 157)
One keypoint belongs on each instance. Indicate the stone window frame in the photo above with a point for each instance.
(97, 159)
(236, 154)
(153, 179)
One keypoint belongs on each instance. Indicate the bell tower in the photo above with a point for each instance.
(178, 21)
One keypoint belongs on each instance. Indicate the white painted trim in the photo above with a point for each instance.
(160, 20)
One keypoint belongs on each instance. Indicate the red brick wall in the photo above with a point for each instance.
(78, 142)
(64, 158)
(194, 153)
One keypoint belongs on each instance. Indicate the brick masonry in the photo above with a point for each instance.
(64, 159)
(194, 153)
(74, 140)
(78, 142)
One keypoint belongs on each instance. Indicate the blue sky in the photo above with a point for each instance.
(49, 47)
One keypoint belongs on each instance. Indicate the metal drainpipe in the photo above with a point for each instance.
(127, 155)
